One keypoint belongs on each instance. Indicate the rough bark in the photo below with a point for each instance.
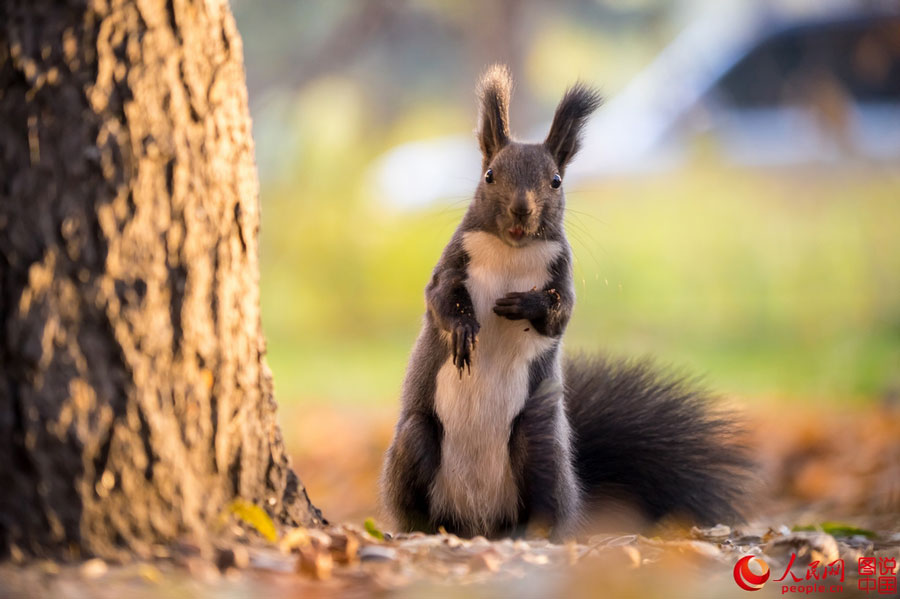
(135, 401)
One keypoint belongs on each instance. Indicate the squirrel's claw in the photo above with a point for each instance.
(521, 305)
(463, 338)
(510, 306)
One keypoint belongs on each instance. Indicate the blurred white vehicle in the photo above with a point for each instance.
(763, 88)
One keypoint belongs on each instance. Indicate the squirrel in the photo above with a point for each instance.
(497, 434)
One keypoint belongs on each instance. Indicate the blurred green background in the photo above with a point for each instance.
(772, 281)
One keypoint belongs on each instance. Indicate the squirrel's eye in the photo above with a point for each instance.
(489, 176)
(557, 181)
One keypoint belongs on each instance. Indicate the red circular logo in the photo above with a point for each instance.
(746, 578)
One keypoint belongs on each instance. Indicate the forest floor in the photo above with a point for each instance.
(828, 495)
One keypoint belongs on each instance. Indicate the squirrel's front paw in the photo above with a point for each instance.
(462, 343)
(526, 305)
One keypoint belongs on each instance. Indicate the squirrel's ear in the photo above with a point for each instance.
(564, 138)
(494, 91)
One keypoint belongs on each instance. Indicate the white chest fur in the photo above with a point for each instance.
(475, 482)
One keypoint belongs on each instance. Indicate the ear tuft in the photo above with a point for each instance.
(564, 139)
(494, 91)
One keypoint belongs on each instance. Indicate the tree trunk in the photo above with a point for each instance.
(135, 401)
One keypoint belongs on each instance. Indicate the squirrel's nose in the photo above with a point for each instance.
(521, 211)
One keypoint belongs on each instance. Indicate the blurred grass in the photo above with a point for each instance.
(776, 284)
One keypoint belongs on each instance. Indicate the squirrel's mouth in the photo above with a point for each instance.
(517, 232)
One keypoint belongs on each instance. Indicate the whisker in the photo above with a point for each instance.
(575, 233)
(588, 214)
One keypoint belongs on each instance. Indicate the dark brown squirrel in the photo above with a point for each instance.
(498, 435)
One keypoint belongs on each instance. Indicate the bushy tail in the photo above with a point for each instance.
(654, 441)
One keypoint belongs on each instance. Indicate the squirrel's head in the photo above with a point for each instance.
(520, 196)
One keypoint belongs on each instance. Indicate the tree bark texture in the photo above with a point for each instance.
(135, 401)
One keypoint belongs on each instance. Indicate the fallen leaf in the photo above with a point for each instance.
(372, 529)
(316, 562)
(255, 516)
(94, 568)
(837, 529)
(294, 538)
